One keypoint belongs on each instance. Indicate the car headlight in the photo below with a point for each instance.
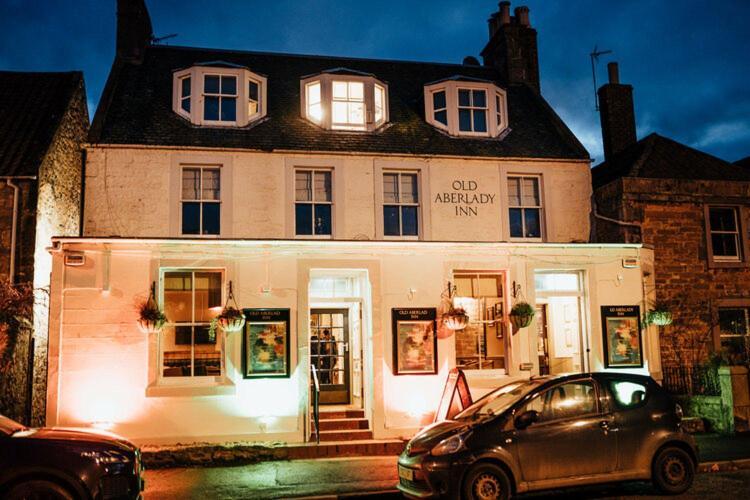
(106, 457)
(449, 445)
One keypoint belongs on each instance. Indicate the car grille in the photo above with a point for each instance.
(113, 487)
(414, 485)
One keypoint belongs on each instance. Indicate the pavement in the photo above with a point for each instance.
(725, 463)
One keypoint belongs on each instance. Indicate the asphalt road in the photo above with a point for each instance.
(355, 477)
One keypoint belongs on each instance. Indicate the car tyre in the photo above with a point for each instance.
(38, 489)
(486, 481)
(673, 471)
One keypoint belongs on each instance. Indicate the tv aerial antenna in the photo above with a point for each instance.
(157, 41)
(594, 61)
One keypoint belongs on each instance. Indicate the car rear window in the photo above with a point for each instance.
(628, 394)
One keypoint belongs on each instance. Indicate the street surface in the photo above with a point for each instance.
(350, 477)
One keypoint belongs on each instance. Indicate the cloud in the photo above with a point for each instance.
(718, 134)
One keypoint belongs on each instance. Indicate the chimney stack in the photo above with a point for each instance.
(134, 32)
(617, 114)
(512, 47)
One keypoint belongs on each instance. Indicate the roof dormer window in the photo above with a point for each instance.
(464, 106)
(343, 99)
(212, 94)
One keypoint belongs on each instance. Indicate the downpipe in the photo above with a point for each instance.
(13, 230)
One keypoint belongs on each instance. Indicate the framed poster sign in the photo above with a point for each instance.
(623, 346)
(265, 346)
(414, 341)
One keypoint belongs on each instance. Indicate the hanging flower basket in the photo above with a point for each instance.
(151, 319)
(456, 319)
(659, 317)
(231, 320)
(521, 315)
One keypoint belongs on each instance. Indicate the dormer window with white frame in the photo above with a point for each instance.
(219, 95)
(466, 107)
(343, 99)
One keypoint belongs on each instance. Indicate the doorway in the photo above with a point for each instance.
(329, 354)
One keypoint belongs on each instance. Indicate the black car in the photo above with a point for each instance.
(66, 464)
(553, 432)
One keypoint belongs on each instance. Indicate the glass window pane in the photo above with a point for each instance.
(722, 219)
(438, 100)
(185, 87)
(191, 213)
(323, 219)
(229, 85)
(177, 348)
(379, 103)
(207, 296)
(463, 286)
(516, 224)
(211, 218)
(211, 84)
(207, 359)
(356, 91)
(357, 113)
(390, 188)
(339, 90)
(734, 321)
(190, 183)
(211, 184)
(514, 191)
(322, 186)
(211, 108)
(185, 104)
(498, 109)
(442, 117)
(557, 282)
(464, 98)
(409, 224)
(724, 244)
(303, 186)
(533, 227)
(409, 190)
(480, 121)
(340, 112)
(252, 107)
(313, 93)
(489, 286)
(464, 120)
(252, 91)
(391, 220)
(303, 219)
(531, 192)
(315, 112)
(480, 98)
(178, 297)
(627, 394)
(228, 109)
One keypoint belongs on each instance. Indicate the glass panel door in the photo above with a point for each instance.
(329, 353)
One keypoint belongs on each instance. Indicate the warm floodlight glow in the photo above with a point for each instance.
(314, 107)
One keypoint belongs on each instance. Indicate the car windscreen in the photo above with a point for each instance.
(9, 427)
(498, 400)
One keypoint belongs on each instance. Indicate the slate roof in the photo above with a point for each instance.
(31, 107)
(744, 162)
(136, 108)
(657, 157)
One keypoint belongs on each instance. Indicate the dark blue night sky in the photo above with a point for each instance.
(688, 60)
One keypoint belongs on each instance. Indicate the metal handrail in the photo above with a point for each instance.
(316, 406)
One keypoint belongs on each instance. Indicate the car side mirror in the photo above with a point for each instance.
(526, 418)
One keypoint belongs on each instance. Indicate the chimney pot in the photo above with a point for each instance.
(504, 13)
(522, 15)
(614, 72)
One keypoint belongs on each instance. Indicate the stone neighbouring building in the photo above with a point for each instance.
(43, 123)
(339, 200)
(693, 209)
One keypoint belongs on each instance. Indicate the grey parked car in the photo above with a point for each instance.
(553, 432)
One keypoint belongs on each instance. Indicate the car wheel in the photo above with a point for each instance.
(38, 489)
(486, 482)
(673, 471)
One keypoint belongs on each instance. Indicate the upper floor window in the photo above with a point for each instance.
(201, 201)
(725, 239)
(400, 204)
(219, 94)
(466, 107)
(734, 334)
(342, 99)
(524, 207)
(312, 209)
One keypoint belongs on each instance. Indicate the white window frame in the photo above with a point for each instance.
(472, 108)
(540, 207)
(435, 110)
(493, 93)
(197, 74)
(399, 204)
(737, 233)
(313, 202)
(326, 101)
(220, 96)
(180, 98)
(192, 380)
(201, 201)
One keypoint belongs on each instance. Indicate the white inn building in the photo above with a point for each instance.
(342, 199)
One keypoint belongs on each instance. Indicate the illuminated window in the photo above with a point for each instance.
(524, 207)
(190, 347)
(312, 209)
(499, 100)
(472, 110)
(465, 106)
(346, 100)
(201, 201)
(400, 204)
(219, 95)
(734, 334)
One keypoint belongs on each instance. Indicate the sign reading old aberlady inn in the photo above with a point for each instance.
(466, 198)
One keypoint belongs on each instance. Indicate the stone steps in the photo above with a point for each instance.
(346, 435)
(340, 424)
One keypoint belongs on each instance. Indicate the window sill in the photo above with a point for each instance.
(224, 387)
(718, 264)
